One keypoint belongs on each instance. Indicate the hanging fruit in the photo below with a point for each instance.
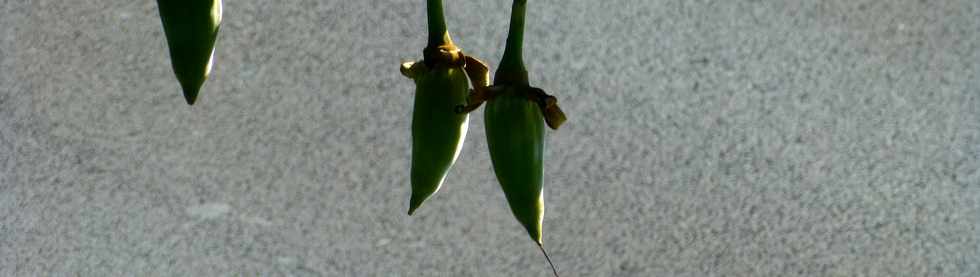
(441, 85)
(514, 118)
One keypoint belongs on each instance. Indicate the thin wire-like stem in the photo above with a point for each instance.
(553, 268)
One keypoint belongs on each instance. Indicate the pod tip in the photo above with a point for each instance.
(190, 96)
(413, 205)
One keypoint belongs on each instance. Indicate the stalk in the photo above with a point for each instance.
(438, 35)
(512, 70)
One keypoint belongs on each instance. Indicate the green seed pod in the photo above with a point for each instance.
(515, 137)
(191, 27)
(437, 130)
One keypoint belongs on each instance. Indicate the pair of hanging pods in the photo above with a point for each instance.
(514, 119)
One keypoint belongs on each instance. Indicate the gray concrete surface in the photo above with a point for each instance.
(706, 138)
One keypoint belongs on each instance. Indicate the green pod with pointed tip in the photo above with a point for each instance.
(191, 27)
(437, 130)
(515, 138)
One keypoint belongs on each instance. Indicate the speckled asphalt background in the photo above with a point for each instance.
(706, 138)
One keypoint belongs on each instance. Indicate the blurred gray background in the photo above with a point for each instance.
(706, 138)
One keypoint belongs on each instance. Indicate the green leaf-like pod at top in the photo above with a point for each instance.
(191, 27)
(437, 130)
(515, 137)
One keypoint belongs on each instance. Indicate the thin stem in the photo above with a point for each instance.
(438, 35)
(512, 63)
(553, 268)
